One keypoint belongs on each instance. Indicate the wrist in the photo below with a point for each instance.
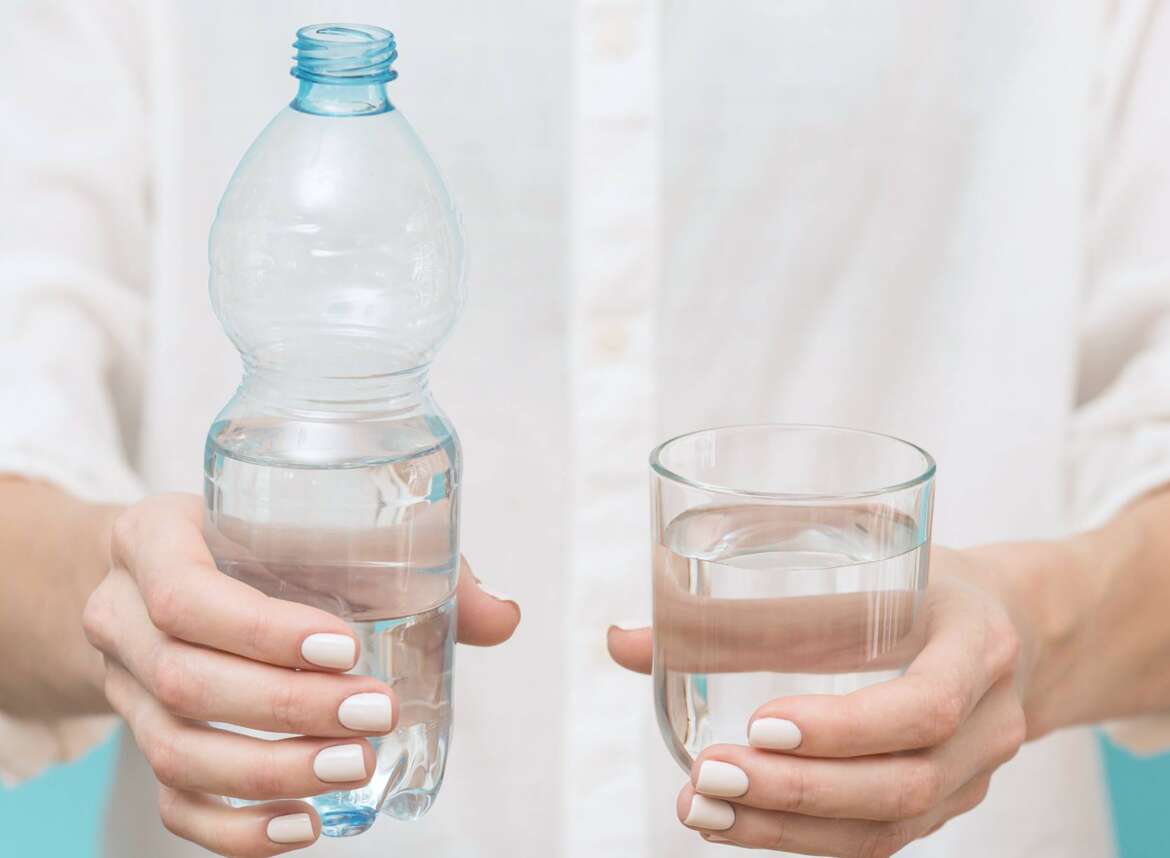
(53, 553)
(1051, 590)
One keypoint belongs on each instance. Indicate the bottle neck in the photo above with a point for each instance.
(295, 391)
(347, 99)
(343, 69)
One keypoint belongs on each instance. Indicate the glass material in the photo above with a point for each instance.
(786, 560)
(332, 477)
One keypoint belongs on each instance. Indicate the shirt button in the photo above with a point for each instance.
(610, 341)
(615, 34)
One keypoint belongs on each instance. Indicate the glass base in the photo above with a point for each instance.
(346, 822)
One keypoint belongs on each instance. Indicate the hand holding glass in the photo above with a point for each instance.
(787, 560)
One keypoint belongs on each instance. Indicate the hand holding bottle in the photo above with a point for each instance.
(332, 476)
(185, 644)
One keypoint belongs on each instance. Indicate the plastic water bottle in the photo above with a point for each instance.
(332, 477)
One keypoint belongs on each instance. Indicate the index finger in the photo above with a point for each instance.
(968, 648)
(161, 545)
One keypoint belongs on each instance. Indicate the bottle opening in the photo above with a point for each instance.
(345, 54)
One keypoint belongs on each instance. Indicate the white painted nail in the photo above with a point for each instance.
(336, 651)
(709, 813)
(340, 763)
(291, 828)
(719, 778)
(632, 625)
(774, 734)
(369, 712)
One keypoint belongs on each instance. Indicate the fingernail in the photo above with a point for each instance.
(336, 651)
(719, 778)
(709, 813)
(631, 625)
(340, 763)
(369, 712)
(291, 828)
(774, 734)
(715, 838)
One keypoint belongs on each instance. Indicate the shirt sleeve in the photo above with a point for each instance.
(1121, 428)
(74, 215)
(1120, 441)
(73, 243)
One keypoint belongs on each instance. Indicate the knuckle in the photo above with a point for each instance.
(111, 690)
(168, 810)
(777, 842)
(882, 841)
(793, 788)
(165, 604)
(95, 618)
(165, 758)
(265, 781)
(123, 536)
(944, 715)
(935, 827)
(981, 790)
(1004, 645)
(261, 786)
(173, 683)
(114, 688)
(260, 629)
(919, 789)
(1014, 733)
(288, 708)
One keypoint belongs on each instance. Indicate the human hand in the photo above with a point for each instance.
(866, 773)
(185, 644)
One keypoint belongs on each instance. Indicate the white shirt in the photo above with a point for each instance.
(941, 220)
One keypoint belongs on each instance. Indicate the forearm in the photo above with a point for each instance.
(1092, 612)
(53, 553)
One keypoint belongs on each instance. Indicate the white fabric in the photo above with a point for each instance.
(943, 220)
(26, 746)
(1146, 735)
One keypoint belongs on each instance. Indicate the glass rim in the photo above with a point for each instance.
(925, 475)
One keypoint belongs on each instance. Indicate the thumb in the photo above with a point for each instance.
(630, 647)
(485, 619)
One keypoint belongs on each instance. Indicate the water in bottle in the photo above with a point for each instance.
(332, 477)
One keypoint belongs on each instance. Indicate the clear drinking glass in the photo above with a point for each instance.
(787, 560)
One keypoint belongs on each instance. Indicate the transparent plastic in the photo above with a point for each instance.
(332, 477)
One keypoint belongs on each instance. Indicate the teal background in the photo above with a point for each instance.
(58, 814)
(31, 817)
(1139, 787)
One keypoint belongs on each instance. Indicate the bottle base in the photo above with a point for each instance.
(409, 805)
(346, 822)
